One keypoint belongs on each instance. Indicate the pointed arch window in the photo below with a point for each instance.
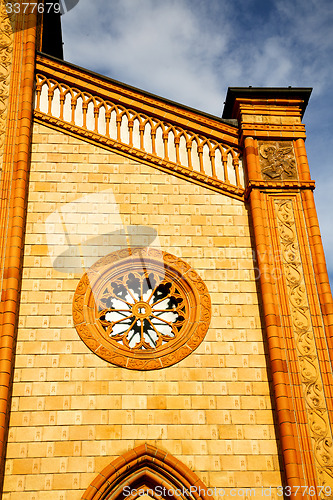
(145, 472)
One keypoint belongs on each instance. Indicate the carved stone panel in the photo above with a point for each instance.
(277, 161)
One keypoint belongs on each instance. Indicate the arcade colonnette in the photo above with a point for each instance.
(166, 316)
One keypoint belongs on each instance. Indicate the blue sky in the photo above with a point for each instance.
(190, 51)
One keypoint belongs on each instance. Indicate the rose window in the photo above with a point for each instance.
(141, 310)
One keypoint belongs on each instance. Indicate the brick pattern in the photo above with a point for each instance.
(72, 413)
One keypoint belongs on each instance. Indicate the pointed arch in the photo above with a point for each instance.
(143, 470)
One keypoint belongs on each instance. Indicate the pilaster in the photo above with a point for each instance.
(18, 41)
(297, 303)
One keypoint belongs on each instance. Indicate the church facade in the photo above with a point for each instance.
(166, 316)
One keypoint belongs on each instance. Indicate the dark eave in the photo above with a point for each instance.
(269, 93)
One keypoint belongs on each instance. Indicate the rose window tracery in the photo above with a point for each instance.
(141, 309)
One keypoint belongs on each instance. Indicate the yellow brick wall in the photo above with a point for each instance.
(72, 413)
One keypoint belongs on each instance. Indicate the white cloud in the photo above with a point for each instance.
(191, 50)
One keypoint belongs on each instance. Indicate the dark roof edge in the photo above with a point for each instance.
(302, 93)
(228, 121)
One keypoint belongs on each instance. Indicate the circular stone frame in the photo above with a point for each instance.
(193, 289)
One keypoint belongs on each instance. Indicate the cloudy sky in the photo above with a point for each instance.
(190, 51)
